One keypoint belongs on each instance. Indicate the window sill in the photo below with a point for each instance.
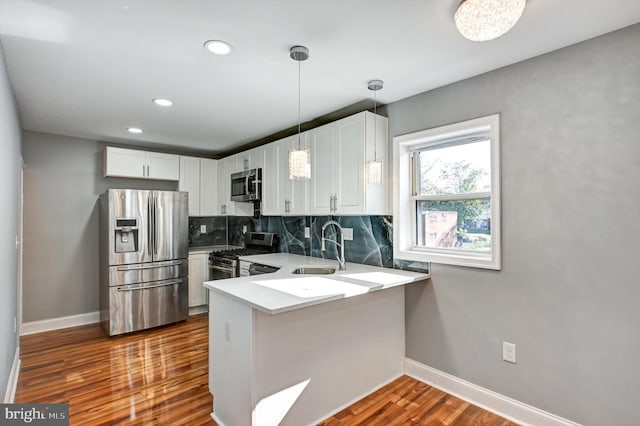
(471, 260)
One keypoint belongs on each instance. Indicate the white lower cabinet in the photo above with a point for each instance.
(198, 273)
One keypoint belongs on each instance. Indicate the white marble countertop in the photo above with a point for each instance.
(284, 291)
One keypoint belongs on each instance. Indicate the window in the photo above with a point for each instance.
(447, 202)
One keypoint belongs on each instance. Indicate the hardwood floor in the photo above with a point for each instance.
(154, 377)
(407, 401)
(159, 377)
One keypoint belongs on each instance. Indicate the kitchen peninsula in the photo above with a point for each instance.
(292, 349)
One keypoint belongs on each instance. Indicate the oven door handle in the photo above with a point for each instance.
(221, 268)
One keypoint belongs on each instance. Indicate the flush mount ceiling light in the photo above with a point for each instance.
(135, 130)
(374, 168)
(162, 102)
(299, 157)
(218, 47)
(482, 20)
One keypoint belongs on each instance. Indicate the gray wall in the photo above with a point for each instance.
(9, 222)
(568, 294)
(62, 182)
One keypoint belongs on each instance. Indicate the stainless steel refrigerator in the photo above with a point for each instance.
(143, 259)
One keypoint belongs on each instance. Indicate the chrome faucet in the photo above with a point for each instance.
(341, 262)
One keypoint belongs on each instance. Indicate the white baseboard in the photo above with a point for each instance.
(58, 323)
(504, 406)
(12, 384)
(216, 419)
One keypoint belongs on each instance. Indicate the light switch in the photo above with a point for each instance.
(203, 229)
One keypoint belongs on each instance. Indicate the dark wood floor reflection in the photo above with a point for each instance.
(159, 377)
(154, 377)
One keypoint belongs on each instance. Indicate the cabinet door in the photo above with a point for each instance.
(163, 166)
(226, 166)
(124, 162)
(323, 168)
(190, 182)
(270, 177)
(197, 266)
(350, 159)
(251, 159)
(208, 187)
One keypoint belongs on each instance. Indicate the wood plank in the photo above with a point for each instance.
(160, 377)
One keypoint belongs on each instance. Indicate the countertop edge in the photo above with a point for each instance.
(287, 263)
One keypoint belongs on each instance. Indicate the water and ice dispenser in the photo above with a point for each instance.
(126, 235)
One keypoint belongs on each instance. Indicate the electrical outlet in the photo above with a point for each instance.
(15, 325)
(348, 234)
(203, 229)
(307, 232)
(509, 352)
(227, 331)
(244, 229)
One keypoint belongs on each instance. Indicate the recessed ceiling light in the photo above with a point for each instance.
(218, 47)
(162, 102)
(135, 130)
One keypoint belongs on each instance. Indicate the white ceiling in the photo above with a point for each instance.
(90, 68)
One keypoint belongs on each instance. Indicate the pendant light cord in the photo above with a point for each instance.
(375, 127)
(299, 144)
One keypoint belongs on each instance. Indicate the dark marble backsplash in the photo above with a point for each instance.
(216, 231)
(372, 242)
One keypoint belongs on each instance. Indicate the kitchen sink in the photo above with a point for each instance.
(314, 270)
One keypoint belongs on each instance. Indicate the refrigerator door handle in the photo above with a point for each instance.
(134, 287)
(149, 226)
(155, 226)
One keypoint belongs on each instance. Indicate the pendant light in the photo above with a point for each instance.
(374, 168)
(482, 20)
(299, 157)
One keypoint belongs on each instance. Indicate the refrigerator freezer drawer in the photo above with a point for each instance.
(147, 272)
(138, 306)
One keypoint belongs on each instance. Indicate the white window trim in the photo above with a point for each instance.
(403, 205)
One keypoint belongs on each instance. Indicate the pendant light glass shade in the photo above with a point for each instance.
(299, 163)
(299, 157)
(374, 172)
(482, 20)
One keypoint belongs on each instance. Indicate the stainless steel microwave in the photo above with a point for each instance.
(247, 185)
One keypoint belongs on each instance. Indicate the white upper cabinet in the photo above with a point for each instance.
(339, 152)
(208, 187)
(251, 159)
(190, 182)
(198, 177)
(226, 166)
(282, 196)
(121, 162)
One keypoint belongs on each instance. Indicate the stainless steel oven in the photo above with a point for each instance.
(226, 264)
(221, 268)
